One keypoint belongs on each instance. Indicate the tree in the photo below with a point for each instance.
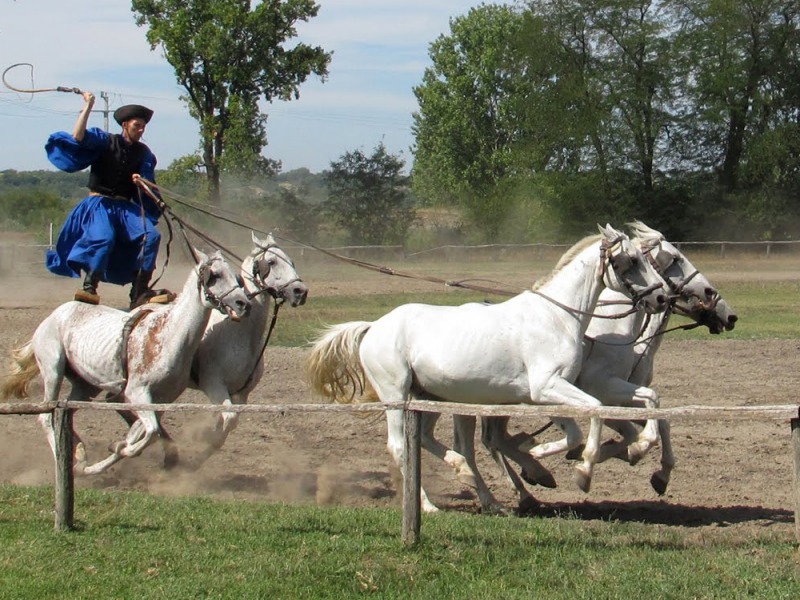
(742, 60)
(467, 123)
(228, 55)
(369, 197)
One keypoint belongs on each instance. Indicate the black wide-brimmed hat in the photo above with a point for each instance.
(132, 111)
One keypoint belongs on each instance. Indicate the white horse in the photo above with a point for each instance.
(525, 350)
(618, 362)
(142, 357)
(229, 362)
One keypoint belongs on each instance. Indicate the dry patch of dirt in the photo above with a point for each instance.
(731, 475)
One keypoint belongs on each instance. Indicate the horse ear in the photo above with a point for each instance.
(607, 231)
(255, 239)
(201, 255)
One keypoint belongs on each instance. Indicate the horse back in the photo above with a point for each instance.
(87, 337)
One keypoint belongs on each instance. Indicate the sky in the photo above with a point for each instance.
(380, 51)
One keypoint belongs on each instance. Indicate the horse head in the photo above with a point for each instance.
(221, 287)
(273, 272)
(626, 270)
(692, 293)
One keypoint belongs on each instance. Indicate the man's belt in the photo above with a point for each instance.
(109, 196)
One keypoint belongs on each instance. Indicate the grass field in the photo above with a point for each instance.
(137, 546)
(765, 310)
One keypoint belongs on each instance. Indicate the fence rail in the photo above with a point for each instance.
(411, 524)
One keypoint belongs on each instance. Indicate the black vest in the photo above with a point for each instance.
(110, 175)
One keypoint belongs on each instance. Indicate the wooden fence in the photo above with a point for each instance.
(411, 523)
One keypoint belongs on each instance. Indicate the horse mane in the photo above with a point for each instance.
(566, 258)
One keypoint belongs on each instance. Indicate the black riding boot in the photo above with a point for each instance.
(140, 287)
(88, 293)
(142, 294)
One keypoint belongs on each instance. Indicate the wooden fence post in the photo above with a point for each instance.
(412, 483)
(796, 456)
(65, 478)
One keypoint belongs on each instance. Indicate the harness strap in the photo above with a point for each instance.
(130, 323)
(249, 379)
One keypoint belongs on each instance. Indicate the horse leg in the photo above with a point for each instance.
(52, 364)
(133, 445)
(526, 500)
(451, 457)
(573, 437)
(646, 397)
(79, 391)
(618, 448)
(464, 443)
(562, 392)
(168, 445)
(502, 446)
(619, 392)
(396, 445)
(660, 479)
(217, 393)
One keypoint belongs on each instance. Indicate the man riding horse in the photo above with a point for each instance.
(111, 234)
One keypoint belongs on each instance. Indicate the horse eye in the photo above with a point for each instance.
(239, 281)
(212, 278)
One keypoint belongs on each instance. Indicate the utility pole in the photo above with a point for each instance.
(104, 96)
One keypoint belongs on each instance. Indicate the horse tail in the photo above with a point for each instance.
(23, 370)
(334, 368)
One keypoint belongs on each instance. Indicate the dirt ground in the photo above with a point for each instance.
(730, 474)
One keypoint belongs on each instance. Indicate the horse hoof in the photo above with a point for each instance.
(495, 510)
(635, 454)
(583, 480)
(171, 461)
(543, 478)
(659, 483)
(528, 506)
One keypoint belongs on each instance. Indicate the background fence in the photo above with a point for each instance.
(14, 253)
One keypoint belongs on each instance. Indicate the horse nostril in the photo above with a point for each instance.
(661, 299)
(732, 318)
(710, 292)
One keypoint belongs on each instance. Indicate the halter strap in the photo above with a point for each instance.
(213, 299)
(259, 280)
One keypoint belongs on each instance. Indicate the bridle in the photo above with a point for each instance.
(679, 289)
(215, 300)
(259, 279)
(607, 258)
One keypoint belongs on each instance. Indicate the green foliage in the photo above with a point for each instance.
(31, 210)
(65, 185)
(368, 196)
(617, 109)
(228, 55)
(466, 123)
(133, 545)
